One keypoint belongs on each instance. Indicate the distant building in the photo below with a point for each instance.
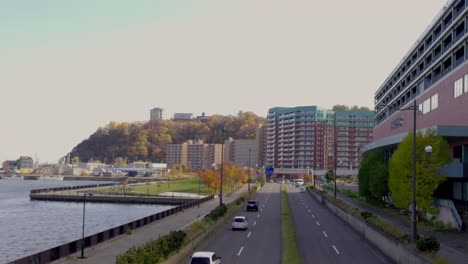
(183, 116)
(241, 152)
(195, 154)
(309, 138)
(156, 114)
(353, 130)
(203, 118)
(176, 154)
(259, 138)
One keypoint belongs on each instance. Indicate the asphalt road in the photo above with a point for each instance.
(261, 243)
(324, 238)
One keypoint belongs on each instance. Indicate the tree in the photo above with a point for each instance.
(120, 162)
(373, 176)
(428, 177)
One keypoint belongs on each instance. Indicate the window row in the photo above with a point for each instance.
(460, 86)
(452, 36)
(429, 104)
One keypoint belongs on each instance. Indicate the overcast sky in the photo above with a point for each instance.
(70, 67)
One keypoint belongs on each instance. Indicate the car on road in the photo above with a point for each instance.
(240, 222)
(302, 189)
(205, 257)
(252, 206)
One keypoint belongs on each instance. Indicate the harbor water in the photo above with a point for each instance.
(28, 227)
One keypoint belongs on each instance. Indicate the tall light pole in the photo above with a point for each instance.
(414, 231)
(82, 231)
(221, 170)
(248, 181)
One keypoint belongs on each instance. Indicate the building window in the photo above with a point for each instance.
(466, 84)
(458, 88)
(434, 101)
(427, 106)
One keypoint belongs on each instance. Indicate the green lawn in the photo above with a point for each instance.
(152, 188)
(290, 253)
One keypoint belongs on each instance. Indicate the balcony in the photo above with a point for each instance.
(455, 169)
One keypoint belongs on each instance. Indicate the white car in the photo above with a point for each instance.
(240, 222)
(302, 189)
(204, 257)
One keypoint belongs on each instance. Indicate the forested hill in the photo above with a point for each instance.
(147, 141)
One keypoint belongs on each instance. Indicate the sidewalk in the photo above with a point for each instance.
(453, 244)
(108, 251)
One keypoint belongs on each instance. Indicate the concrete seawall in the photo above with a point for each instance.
(112, 199)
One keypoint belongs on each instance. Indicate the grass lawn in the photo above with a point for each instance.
(152, 188)
(290, 253)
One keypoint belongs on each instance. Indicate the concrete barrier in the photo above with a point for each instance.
(389, 246)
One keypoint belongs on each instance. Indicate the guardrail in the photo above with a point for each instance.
(67, 249)
(449, 204)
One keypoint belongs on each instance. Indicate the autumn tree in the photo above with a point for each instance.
(428, 177)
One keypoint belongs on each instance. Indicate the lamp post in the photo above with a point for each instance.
(221, 170)
(248, 181)
(199, 188)
(83, 229)
(414, 232)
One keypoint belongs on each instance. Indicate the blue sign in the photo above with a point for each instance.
(269, 170)
(220, 195)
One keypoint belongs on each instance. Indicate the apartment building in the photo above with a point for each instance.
(353, 130)
(296, 138)
(243, 152)
(156, 114)
(195, 154)
(433, 75)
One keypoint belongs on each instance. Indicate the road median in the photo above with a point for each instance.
(289, 251)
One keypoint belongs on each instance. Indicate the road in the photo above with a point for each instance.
(261, 243)
(324, 238)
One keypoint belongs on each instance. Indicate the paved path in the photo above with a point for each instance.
(108, 251)
(453, 244)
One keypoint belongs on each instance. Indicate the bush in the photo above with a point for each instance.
(240, 200)
(217, 212)
(430, 244)
(366, 214)
(154, 251)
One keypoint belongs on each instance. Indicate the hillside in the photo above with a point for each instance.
(147, 141)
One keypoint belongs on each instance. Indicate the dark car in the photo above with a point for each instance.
(252, 205)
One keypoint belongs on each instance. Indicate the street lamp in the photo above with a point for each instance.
(221, 170)
(414, 232)
(83, 229)
(334, 190)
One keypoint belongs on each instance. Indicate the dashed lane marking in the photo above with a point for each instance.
(242, 248)
(258, 216)
(249, 234)
(255, 223)
(336, 250)
(317, 223)
(325, 234)
(313, 216)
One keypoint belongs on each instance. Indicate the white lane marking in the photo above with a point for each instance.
(258, 216)
(325, 234)
(242, 248)
(249, 234)
(261, 210)
(313, 216)
(310, 211)
(255, 223)
(317, 223)
(336, 250)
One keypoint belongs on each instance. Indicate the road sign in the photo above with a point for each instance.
(269, 170)
(220, 195)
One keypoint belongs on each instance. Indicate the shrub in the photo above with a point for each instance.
(154, 251)
(240, 200)
(430, 244)
(366, 214)
(217, 212)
